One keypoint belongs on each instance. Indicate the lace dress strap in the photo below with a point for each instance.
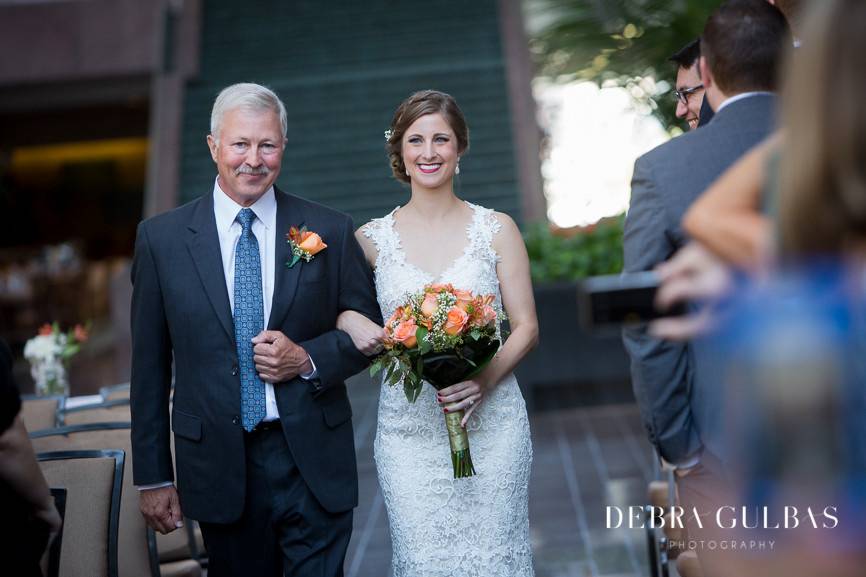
(381, 232)
(481, 231)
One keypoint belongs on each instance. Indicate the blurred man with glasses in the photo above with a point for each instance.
(689, 90)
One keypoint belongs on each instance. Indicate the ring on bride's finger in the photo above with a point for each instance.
(471, 402)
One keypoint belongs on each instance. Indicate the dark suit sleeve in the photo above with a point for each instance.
(660, 370)
(151, 370)
(333, 352)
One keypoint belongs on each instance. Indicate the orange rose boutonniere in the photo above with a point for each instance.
(305, 245)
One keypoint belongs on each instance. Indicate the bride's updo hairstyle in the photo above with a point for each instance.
(421, 104)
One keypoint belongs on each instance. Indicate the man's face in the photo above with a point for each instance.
(690, 110)
(249, 153)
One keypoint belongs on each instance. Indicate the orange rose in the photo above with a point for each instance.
(429, 306)
(405, 333)
(456, 321)
(464, 299)
(312, 243)
(391, 322)
(80, 333)
(45, 330)
(488, 315)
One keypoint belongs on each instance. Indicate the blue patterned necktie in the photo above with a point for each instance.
(249, 319)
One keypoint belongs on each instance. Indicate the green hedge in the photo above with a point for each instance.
(595, 251)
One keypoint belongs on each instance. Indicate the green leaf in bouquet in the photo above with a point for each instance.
(394, 375)
(376, 367)
(475, 334)
(412, 387)
(421, 337)
(391, 369)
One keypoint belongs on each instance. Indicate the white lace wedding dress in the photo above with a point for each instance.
(441, 526)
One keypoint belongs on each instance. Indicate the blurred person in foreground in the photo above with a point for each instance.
(689, 90)
(791, 350)
(678, 396)
(28, 508)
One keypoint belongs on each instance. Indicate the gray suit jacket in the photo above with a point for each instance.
(680, 402)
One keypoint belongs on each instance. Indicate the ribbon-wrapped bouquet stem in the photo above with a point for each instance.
(444, 336)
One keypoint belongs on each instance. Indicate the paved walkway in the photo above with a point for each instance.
(584, 460)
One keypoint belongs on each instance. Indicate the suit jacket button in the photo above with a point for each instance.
(234, 370)
(236, 420)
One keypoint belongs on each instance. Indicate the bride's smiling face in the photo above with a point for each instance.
(430, 151)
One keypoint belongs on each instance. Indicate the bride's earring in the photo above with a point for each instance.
(457, 168)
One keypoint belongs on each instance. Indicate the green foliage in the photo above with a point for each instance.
(616, 41)
(596, 251)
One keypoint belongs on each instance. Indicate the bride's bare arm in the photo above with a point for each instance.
(515, 286)
(366, 335)
(370, 252)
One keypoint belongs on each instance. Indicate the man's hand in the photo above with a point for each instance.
(278, 358)
(161, 509)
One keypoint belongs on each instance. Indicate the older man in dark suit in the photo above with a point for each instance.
(265, 456)
(680, 403)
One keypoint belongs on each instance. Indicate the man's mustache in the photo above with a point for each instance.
(260, 171)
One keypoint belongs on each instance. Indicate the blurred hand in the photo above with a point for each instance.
(47, 514)
(278, 358)
(366, 335)
(161, 509)
(694, 274)
(466, 396)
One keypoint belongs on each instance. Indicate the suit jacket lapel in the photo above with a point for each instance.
(289, 213)
(204, 246)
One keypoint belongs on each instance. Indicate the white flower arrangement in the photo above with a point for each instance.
(48, 354)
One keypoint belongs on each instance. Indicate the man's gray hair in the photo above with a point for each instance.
(247, 96)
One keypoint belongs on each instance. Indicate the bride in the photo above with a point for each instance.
(441, 526)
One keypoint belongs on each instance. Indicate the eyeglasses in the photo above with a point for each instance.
(683, 95)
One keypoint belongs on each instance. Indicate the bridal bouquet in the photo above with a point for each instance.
(48, 354)
(441, 335)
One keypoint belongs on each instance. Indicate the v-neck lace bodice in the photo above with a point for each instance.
(441, 526)
(474, 269)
